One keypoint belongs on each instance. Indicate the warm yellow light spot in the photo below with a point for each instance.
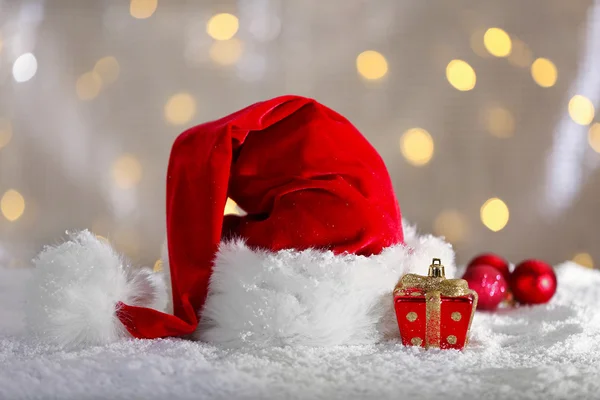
(158, 266)
(494, 214)
(497, 42)
(142, 9)
(88, 85)
(417, 146)
(520, 56)
(593, 137)
(231, 207)
(102, 239)
(499, 122)
(222, 26)
(127, 240)
(180, 108)
(544, 72)
(226, 52)
(127, 171)
(108, 69)
(371, 65)
(5, 132)
(581, 110)
(584, 259)
(452, 225)
(461, 75)
(476, 42)
(12, 205)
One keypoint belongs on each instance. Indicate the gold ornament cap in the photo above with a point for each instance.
(436, 269)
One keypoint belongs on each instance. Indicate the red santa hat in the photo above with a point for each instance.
(313, 261)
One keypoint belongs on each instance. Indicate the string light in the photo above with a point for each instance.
(142, 9)
(416, 145)
(494, 214)
(222, 26)
(581, 110)
(499, 122)
(584, 259)
(593, 137)
(107, 68)
(88, 86)
(5, 132)
(180, 108)
(371, 65)
(520, 55)
(24, 67)
(452, 225)
(544, 72)
(497, 42)
(127, 171)
(12, 205)
(461, 75)
(226, 52)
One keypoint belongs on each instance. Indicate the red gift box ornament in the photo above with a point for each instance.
(433, 311)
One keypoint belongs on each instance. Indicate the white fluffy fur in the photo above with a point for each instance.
(310, 297)
(76, 286)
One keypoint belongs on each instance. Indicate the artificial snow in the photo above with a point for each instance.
(549, 351)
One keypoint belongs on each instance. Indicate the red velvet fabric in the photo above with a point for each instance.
(304, 174)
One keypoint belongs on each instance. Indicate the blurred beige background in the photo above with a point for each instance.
(483, 111)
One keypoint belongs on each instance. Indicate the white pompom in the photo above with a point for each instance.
(75, 289)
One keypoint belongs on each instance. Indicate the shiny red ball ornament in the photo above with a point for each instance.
(490, 285)
(493, 260)
(533, 282)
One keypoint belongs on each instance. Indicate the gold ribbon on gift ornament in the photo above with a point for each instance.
(433, 286)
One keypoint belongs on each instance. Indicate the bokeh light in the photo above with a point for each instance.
(494, 214)
(222, 26)
(544, 72)
(452, 225)
(581, 110)
(180, 108)
(158, 266)
(593, 137)
(12, 205)
(24, 67)
(499, 122)
(88, 86)
(371, 65)
(127, 171)
(5, 132)
(231, 208)
(461, 75)
(108, 69)
(584, 259)
(497, 42)
(127, 240)
(417, 147)
(520, 55)
(142, 9)
(226, 52)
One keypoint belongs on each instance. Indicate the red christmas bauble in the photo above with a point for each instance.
(533, 282)
(490, 285)
(493, 260)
